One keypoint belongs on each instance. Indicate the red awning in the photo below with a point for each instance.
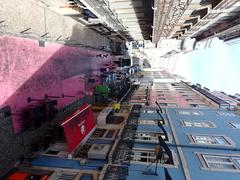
(78, 125)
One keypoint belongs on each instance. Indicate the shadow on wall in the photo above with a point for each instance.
(146, 21)
(28, 70)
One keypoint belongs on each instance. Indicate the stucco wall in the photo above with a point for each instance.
(29, 70)
(222, 127)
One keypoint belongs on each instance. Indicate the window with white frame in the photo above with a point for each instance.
(194, 105)
(202, 105)
(184, 112)
(149, 111)
(149, 156)
(177, 84)
(210, 140)
(199, 105)
(190, 112)
(197, 113)
(168, 104)
(162, 99)
(161, 89)
(160, 86)
(235, 125)
(147, 136)
(198, 123)
(182, 91)
(224, 113)
(147, 122)
(188, 94)
(220, 162)
(146, 156)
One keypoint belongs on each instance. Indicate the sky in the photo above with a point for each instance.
(217, 67)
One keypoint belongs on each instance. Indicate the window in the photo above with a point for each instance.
(182, 87)
(161, 89)
(161, 99)
(138, 98)
(149, 111)
(198, 105)
(41, 43)
(194, 105)
(168, 104)
(224, 113)
(183, 112)
(220, 162)
(235, 125)
(198, 123)
(190, 112)
(146, 136)
(196, 113)
(143, 156)
(148, 122)
(202, 105)
(149, 156)
(210, 140)
(176, 84)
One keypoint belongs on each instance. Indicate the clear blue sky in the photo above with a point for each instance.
(217, 67)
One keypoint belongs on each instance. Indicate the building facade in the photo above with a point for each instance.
(147, 137)
(232, 100)
(199, 19)
(209, 141)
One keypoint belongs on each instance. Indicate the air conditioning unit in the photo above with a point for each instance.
(99, 151)
(103, 116)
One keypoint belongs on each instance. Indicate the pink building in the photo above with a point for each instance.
(178, 95)
(233, 103)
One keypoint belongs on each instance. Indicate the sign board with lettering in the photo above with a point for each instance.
(78, 125)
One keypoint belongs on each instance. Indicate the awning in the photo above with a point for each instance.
(78, 125)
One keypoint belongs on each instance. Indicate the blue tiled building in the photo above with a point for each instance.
(204, 144)
(142, 142)
(209, 140)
